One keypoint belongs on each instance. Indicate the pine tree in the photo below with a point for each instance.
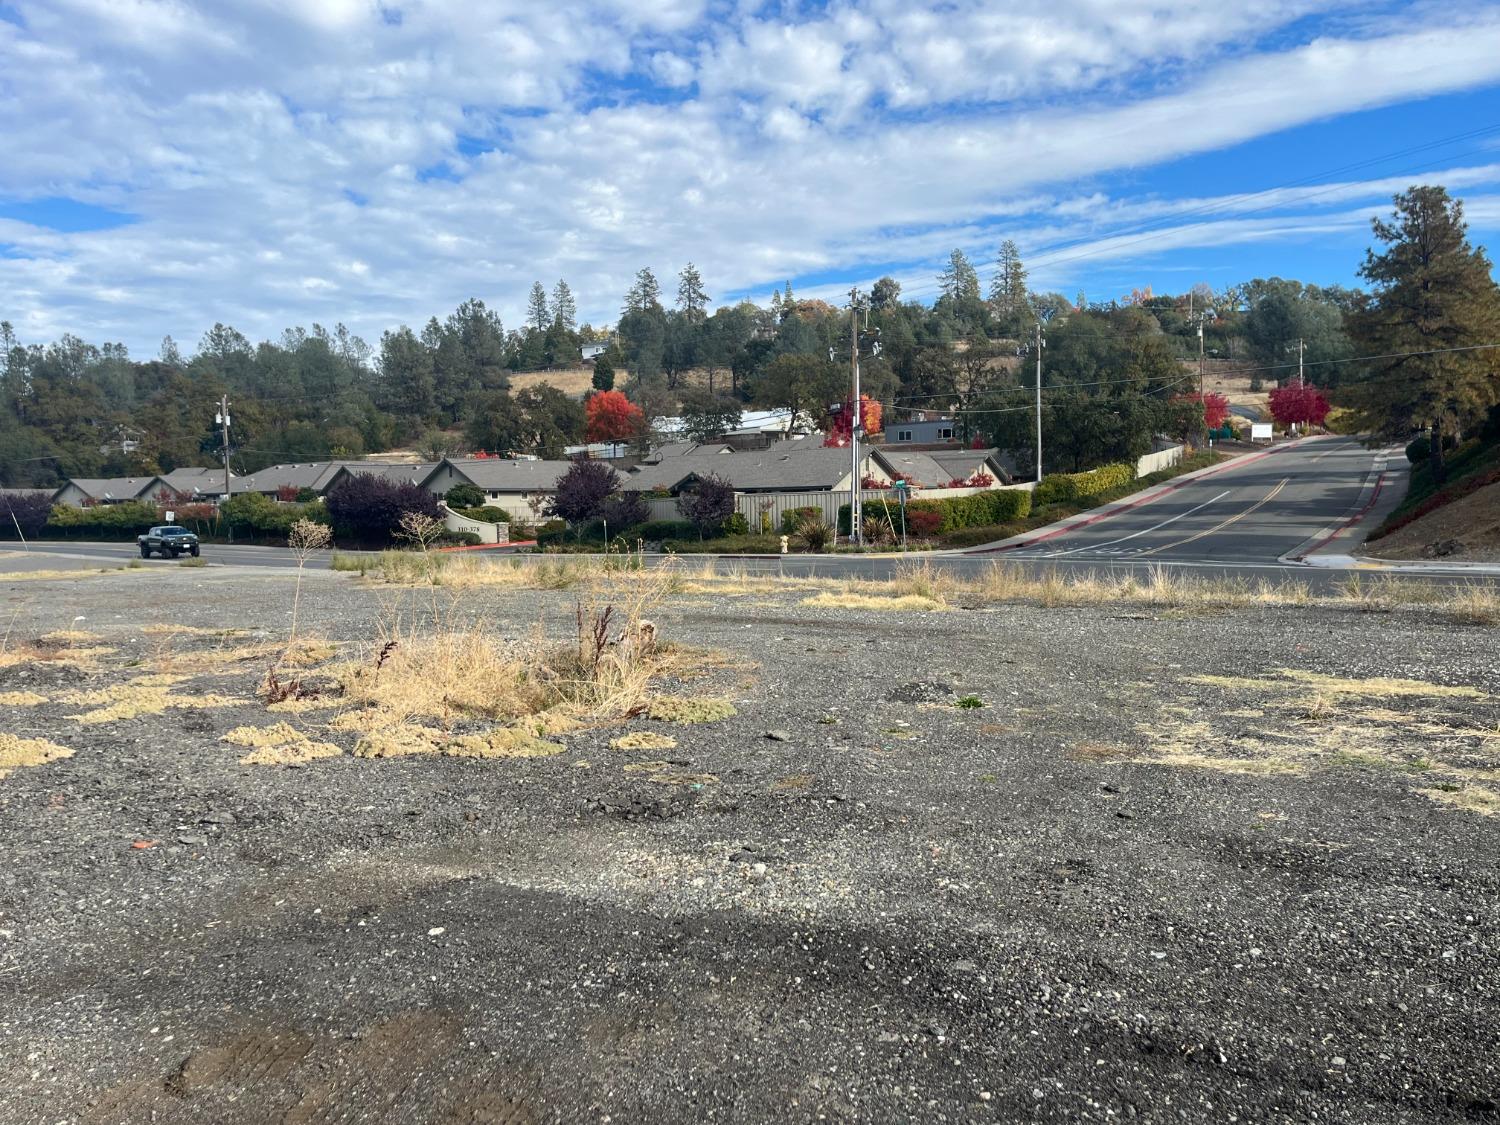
(537, 313)
(1008, 287)
(645, 294)
(959, 281)
(564, 307)
(691, 298)
(1433, 294)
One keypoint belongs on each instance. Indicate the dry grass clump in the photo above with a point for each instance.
(914, 603)
(667, 773)
(643, 740)
(688, 709)
(279, 745)
(131, 700)
(22, 753)
(1470, 798)
(422, 682)
(171, 629)
(69, 637)
(21, 699)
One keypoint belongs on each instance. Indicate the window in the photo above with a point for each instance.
(945, 434)
(903, 435)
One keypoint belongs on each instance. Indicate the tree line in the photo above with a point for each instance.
(1115, 373)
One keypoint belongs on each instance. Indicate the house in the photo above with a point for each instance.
(278, 480)
(935, 468)
(197, 484)
(931, 431)
(400, 472)
(592, 351)
(521, 487)
(797, 466)
(84, 492)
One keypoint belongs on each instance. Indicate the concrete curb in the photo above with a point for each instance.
(1125, 504)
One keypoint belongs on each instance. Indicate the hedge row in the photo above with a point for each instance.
(1066, 487)
(980, 509)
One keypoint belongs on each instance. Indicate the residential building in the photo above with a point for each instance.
(84, 492)
(521, 488)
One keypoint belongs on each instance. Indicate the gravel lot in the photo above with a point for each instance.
(1177, 867)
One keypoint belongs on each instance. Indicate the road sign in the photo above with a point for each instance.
(1260, 431)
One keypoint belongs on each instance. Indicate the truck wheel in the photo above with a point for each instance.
(175, 552)
(145, 552)
(195, 552)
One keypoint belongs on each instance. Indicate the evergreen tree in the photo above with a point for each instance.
(1008, 287)
(1434, 293)
(564, 307)
(959, 281)
(604, 373)
(691, 298)
(538, 316)
(645, 294)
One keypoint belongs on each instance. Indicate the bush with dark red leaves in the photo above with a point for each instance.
(369, 508)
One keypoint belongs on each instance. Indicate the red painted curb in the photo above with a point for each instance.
(488, 546)
(1348, 523)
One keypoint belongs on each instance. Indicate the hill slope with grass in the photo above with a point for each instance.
(1459, 519)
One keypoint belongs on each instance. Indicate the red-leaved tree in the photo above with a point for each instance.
(1298, 402)
(1215, 407)
(839, 423)
(610, 416)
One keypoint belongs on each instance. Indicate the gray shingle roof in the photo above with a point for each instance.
(116, 488)
(783, 468)
(316, 475)
(413, 472)
(964, 463)
(496, 475)
(191, 480)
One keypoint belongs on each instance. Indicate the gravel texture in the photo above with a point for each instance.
(1151, 878)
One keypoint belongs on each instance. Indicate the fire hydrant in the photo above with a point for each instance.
(784, 540)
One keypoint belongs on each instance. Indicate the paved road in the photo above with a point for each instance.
(1252, 512)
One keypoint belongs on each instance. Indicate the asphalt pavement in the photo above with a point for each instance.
(1264, 509)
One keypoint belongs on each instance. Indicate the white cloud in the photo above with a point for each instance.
(280, 157)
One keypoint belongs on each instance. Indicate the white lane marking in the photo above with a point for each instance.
(1145, 531)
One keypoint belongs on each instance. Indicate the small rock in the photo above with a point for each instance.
(779, 735)
(1254, 952)
(436, 931)
(757, 873)
(888, 1037)
(1123, 815)
(193, 840)
(1158, 954)
(1338, 1060)
(964, 967)
(218, 818)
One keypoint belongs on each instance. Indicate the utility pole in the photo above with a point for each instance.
(856, 490)
(1040, 344)
(223, 420)
(1300, 349)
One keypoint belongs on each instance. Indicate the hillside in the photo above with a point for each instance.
(1460, 520)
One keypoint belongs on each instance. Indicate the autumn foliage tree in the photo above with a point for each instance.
(1215, 407)
(839, 423)
(1298, 403)
(610, 416)
(584, 490)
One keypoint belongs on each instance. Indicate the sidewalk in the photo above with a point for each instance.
(1125, 503)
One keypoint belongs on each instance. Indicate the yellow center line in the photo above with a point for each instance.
(1262, 502)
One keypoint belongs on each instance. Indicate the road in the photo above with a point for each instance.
(1252, 512)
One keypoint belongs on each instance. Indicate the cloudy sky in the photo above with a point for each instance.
(265, 163)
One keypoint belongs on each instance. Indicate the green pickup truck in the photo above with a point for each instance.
(168, 539)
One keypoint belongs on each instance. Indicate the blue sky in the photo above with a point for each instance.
(276, 162)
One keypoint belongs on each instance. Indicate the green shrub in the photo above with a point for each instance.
(457, 539)
(661, 530)
(464, 496)
(736, 524)
(978, 536)
(1068, 487)
(954, 514)
(793, 518)
(1419, 450)
(484, 513)
(251, 514)
(103, 521)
